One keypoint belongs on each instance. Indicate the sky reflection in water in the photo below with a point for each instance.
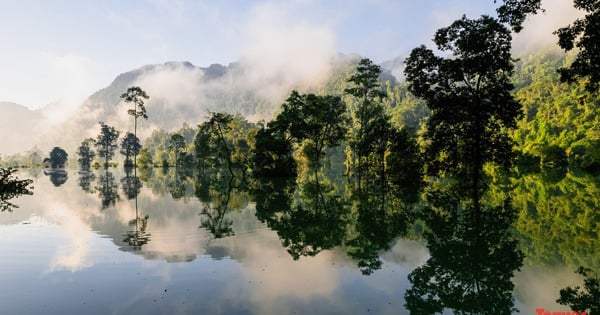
(63, 253)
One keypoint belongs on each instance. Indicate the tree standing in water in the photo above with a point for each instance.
(106, 142)
(136, 96)
(469, 95)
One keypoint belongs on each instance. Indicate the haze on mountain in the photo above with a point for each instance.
(253, 86)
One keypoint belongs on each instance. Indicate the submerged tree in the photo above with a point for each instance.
(86, 153)
(106, 142)
(136, 96)
(469, 95)
(130, 146)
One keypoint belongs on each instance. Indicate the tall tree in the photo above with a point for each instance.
(584, 34)
(136, 96)
(177, 142)
(106, 142)
(130, 146)
(58, 158)
(469, 95)
(86, 153)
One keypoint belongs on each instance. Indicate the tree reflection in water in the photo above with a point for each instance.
(473, 259)
(131, 184)
(57, 176)
(382, 217)
(220, 193)
(12, 187)
(107, 189)
(137, 237)
(86, 178)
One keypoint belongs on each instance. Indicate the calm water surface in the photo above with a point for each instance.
(84, 245)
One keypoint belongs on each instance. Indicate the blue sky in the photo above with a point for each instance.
(65, 50)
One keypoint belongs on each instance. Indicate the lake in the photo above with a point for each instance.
(166, 243)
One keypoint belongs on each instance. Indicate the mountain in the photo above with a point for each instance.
(19, 127)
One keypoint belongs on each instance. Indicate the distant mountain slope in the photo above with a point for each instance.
(19, 127)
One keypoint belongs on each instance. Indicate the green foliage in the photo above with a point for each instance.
(12, 187)
(469, 98)
(221, 143)
(556, 114)
(106, 143)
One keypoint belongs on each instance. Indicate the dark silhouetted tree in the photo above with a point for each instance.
(86, 153)
(469, 95)
(106, 143)
(584, 34)
(586, 299)
(514, 12)
(58, 158)
(130, 146)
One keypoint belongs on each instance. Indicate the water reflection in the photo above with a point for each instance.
(12, 187)
(107, 189)
(131, 184)
(137, 237)
(473, 258)
(57, 176)
(86, 179)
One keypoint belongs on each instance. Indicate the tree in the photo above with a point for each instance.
(11, 187)
(369, 114)
(514, 12)
(586, 298)
(136, 96)
(177, 142)
(210, 139)
(585, 35)
(469, 95)
(58, 158)
(130, 146)
(318, 121)
(86, 153)
(106, 142)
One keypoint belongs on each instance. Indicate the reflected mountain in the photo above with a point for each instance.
(57, 176)
(473, 259)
